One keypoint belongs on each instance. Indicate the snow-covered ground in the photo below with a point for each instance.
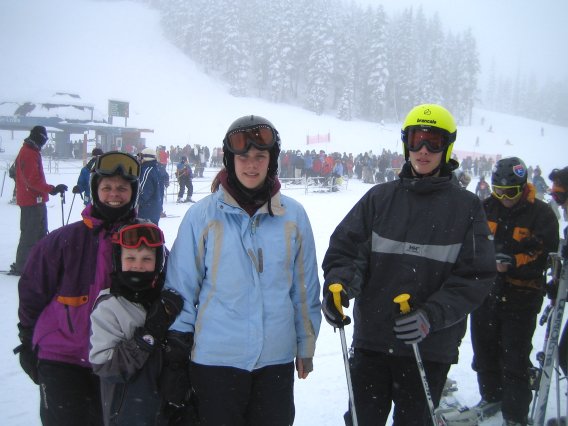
(168, 93)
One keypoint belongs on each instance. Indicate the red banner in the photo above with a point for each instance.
(318, 139)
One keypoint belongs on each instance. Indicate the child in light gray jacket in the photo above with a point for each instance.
(129, 325)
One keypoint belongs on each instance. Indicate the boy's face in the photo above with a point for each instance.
(424, 161)
(141, 259)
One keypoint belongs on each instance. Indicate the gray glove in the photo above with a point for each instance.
(412, 327)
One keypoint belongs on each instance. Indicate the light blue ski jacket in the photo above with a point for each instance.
(250, 284)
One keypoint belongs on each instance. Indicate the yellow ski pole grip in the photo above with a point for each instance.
(402, 300)
(336, 290)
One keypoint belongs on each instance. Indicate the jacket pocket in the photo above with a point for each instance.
(72, 302)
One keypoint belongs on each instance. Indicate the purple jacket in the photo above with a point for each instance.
(65, 272)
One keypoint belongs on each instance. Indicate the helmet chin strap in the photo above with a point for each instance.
(420, 175)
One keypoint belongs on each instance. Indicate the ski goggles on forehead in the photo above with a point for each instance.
(509, 192)
(117, 163)
(133, 236)
(261, 137)
(435, 140)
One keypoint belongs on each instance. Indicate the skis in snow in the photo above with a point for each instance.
(548, 358)
(451, 411)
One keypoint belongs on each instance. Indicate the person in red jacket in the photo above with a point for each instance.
(31, 195)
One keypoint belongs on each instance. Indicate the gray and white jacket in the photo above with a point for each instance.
(129, 375)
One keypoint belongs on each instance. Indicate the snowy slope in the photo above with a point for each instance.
(128, 58)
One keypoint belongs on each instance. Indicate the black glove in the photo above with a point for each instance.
(28, 357)
(59, 189)
(531, 245)
(160, 317)
(412, 327)
(175, 385)
(76, 189)
(505, 259)
(330, 312)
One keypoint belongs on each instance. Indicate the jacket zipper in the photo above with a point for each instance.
(71, 328)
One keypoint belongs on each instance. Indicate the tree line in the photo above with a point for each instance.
(334, 57)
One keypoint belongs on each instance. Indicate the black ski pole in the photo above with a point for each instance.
(62, 194)
(336, 290)
(402, 301)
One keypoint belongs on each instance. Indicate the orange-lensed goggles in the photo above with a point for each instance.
(133, 236)
(261, 137)
(509, 192)
(434, 139)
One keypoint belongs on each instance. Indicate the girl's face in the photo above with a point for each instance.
(141, 259)
(251, 167)
(114, 191)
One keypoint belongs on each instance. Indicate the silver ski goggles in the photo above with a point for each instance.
(117, 163)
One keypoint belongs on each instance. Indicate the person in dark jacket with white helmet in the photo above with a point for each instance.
(525, 231)
(66, 271)
(422, 235)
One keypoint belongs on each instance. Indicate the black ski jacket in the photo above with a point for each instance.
(527, 232)
(427, 237)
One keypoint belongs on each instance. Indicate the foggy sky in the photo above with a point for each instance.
(529, 35)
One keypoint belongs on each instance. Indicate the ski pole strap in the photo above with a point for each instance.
(402, 301)
(336, 290)
(18, 349)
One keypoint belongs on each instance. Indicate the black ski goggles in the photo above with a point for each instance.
(117, 163)
(508, 192)
(435, 140)
(133, 236)
(239, 141)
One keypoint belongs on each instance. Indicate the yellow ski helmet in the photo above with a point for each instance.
(429, 116)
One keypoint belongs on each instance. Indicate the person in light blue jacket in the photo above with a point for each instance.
(245, 263)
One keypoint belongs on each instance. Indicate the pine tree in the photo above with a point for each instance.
(320, 62)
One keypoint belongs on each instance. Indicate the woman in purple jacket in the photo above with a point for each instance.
(66, 271)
